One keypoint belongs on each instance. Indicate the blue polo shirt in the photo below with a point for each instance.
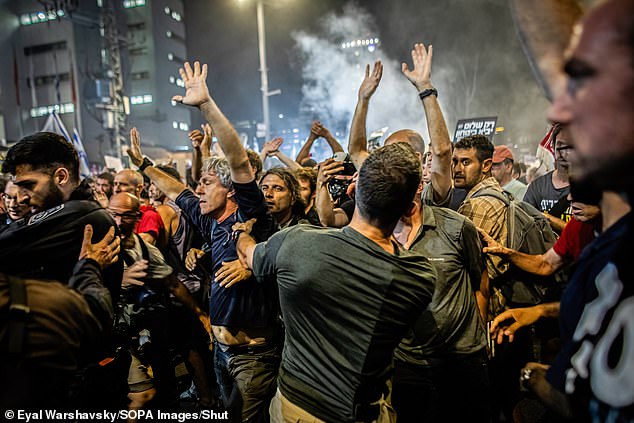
(246, 304)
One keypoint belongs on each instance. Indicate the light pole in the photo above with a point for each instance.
(264, 72)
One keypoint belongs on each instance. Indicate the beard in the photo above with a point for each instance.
(54, 197)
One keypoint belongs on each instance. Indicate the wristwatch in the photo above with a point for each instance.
(145, 163)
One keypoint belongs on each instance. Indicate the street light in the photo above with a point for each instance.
(264, 72)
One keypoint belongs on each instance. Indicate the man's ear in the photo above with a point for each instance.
(411, 210)
(486, 165)
(61, 176)
(421, 186)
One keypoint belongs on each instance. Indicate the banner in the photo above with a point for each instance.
(55, 124)
(482, 126)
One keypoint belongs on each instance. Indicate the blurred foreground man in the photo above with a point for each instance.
(596, 105)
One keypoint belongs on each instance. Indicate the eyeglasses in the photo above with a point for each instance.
(125, 216)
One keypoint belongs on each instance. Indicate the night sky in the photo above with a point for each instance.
(479, 66)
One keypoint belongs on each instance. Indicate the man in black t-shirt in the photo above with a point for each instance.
(349, 301)
(549, 193)
(244, 316)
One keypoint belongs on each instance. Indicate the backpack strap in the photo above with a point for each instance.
(18, 314)
(508, 201)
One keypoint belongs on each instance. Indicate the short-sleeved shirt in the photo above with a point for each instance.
(489, 214)
(543, 195)
(244, 305)
(150, 222)
(346, 303)
(451, 325)
(595, 366)
(574, 238)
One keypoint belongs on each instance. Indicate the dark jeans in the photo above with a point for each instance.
(247, 379)
(449, 390)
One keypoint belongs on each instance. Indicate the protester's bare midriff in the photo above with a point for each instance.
(234, 336)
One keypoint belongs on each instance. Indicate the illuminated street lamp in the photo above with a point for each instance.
(264, 72)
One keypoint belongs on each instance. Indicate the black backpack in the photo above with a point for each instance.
(528, 231)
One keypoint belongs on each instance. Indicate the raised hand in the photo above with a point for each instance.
(322, 131)
(272, 146)
(196, 137)
(314, 128)
(371, 80)
(205, 145)
(231, 273)
(104, 252)
(196, 91)
(420, 76)
(134, 151)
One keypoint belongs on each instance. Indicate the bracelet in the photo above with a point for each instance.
(146, 162)
(427, 92)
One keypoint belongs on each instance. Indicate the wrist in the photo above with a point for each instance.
(428, 92)
(421, 86)
(145, 164)
(205, 105)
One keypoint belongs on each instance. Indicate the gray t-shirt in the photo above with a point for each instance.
(543, 195)
(451, 326)
(346, 303)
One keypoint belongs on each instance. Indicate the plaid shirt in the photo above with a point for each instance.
(489, 214)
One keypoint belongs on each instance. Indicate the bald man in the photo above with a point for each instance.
(150, 227)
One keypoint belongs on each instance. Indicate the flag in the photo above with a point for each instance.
(55, 124)
(546, 149)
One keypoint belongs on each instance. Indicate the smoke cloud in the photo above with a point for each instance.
(479, 68)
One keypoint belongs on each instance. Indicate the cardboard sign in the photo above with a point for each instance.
(483, 126)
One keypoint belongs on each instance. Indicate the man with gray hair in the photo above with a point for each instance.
(244, 316)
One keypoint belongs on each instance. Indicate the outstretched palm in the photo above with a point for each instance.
(196, 91)
(420, 76)
(371, 80)
(135, 147)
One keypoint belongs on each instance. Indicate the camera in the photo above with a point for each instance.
(338, 186)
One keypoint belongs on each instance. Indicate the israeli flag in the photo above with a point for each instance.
(55, 124)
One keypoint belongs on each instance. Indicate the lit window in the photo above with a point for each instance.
(176, 16)
(47, 110)
(175, 125)
(168, 34)
(172, 80)
(170, 56)
(183, 126)
(128, 4)
(38, 17)
(168, 10)
(141, 99)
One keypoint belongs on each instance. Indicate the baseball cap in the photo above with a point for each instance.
(502, 152)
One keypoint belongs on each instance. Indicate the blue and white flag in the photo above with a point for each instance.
(55, 124)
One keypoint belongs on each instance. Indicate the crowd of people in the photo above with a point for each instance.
(420, 281)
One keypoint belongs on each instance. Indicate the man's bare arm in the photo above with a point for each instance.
(420, 77)
(304, 152)
(544, 29)
(197, 95)
(166, 183)
(328, 215)
(538, 264)
(323, 132)
(358, 143)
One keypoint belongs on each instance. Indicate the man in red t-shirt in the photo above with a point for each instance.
(150, 227)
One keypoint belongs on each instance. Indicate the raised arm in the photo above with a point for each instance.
(538, 264)
(197, 95)
(290, 163)
(166, 183)
(305, 150)
(329, 216)
(420, 77)
(544, 29)
(358, 143)
(323, 132)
